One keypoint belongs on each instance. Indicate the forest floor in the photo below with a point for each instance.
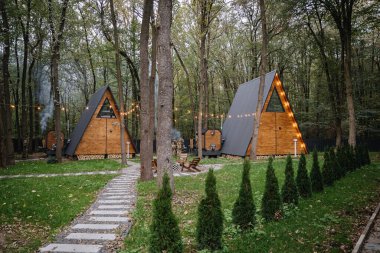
(34, 210)
(328, 222)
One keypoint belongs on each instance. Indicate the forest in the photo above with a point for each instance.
(56, 54)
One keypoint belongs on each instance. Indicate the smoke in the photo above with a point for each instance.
(175, 134)
(44, 95)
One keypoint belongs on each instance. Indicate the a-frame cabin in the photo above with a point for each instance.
(97, 134)
(278, 128)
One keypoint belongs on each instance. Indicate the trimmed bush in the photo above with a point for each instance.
(367, 158)
(271, 202)
(302, 179)
(243, 213)
(341, 160)
(358, 156)
(334, 165)
(289, 191)
(315, 174)
(210, 217)
(165, 234)
(327, 173)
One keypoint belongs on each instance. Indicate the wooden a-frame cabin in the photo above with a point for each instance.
(278, 128)
(97, 134)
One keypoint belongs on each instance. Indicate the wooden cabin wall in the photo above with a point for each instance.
(212, 139)
(102, 135)
(278, 129)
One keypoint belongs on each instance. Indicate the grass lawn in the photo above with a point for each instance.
(33, 210)
(323, 223)
(41, 167)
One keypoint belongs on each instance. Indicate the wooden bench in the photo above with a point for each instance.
(182, 159)
(192, 166)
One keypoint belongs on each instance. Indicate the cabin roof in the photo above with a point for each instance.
(85, 119)
(237, 132)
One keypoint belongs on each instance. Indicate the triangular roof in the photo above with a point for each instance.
(85, 119)
(237, 133)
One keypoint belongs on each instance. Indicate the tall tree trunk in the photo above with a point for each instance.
(165, 92)
(263, 68)
(25, 33)
(119, 82)
(152, 89)
(31, 107)
(55, 56)
(146, 160)
(6, 118)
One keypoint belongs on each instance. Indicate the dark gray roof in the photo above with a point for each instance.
(237, 132)
(84, 120)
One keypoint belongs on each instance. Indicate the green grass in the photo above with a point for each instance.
(322, 223)
(41, 167)
(33, 210)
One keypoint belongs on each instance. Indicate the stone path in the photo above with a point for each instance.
(106, 222)
(61, 174)
(372, 244)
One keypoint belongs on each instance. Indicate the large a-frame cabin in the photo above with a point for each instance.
(278, 128)
(97, 134)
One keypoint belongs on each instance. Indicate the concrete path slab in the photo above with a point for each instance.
(56, 247)
(113, 206)
(96, 226)
(109, 218)
(113, 201)
(109, 212)
(91, 236)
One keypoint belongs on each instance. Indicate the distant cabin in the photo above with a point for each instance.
(97, 134)
(278, 128)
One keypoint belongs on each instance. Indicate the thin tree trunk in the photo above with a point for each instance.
(165, 92)
(55, 55)
(263, 67)
(31, 107)
(119, 82)
(146, 160)
(7, 116)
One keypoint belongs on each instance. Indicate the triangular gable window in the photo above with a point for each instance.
(106, 111)
(275, 104)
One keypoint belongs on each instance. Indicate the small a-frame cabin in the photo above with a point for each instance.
(97, 134)
(278, 131)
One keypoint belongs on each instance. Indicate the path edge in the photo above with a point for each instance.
(365, 233)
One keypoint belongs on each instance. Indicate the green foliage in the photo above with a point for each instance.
(337, 171)
(316, 178)
(302, 179)
(359, 156)
(289, 190)
(165, 234)
(367, 159)
(244, 209)
(210, 217)
(341, 160)
(271, 201)
(327, 173)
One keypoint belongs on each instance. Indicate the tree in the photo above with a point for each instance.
(165, 92)
(243, 213)
(289, 191)
(6, 142)
(146, 141)
(303, 181)
(327, 172)
(119, 82)
(57, 38)
(165, 235)
(271, 203)
(263, 69)
(337, 171)
(315, 174)
(209, 228)
(341, 11)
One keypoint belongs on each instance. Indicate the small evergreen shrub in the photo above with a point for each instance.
(271, 202)
(341, 160)
(367, 158)
(165, 233)
(289, 191)
(352, 159)
(302, 179)
(315, 174)
(210, 217)
(358, 156)
(243, 213)
(337, 174)
(327, 173)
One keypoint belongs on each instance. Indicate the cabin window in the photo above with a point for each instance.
(275, 104)
(106, 111)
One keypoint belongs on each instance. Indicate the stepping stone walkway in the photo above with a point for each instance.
(372, 244)
(106, 222)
